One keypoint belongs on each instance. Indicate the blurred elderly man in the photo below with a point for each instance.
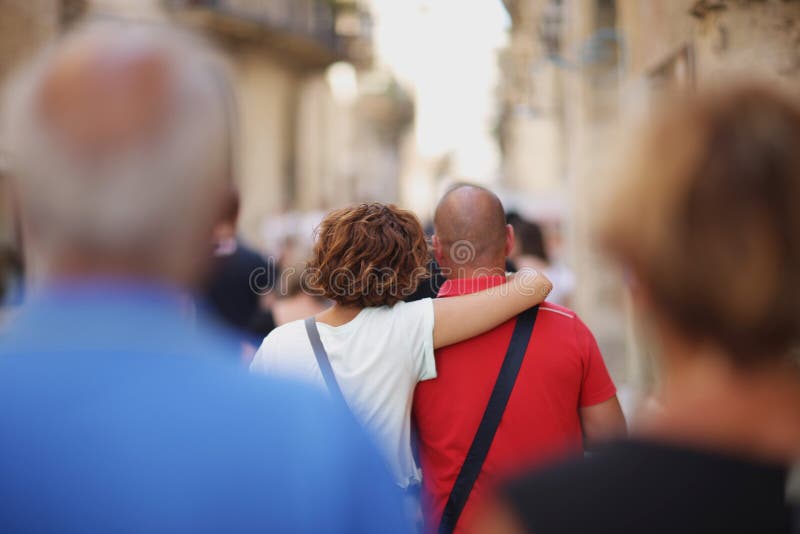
(117, 412)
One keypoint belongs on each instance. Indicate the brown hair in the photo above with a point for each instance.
(371, 254)
(708, 223)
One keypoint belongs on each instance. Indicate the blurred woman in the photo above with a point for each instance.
(367, 258)
(530, 252)
(295, 299)
(707, 227)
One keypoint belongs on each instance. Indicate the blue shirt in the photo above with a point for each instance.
(118, 414)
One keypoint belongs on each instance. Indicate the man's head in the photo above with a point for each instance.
(471, 235)
(119, 139)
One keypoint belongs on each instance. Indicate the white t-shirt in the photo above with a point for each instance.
(377, 358)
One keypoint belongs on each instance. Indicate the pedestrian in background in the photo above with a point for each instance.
(530, 251)
(239, 276)
(118, 412)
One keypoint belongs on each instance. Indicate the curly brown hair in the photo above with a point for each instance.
(371, 254)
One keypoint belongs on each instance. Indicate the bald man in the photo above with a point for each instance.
(563, 398)
(120, 411)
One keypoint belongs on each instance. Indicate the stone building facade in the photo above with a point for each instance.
(317, 124)
(609, 60)
(25, 25)
(306, 141)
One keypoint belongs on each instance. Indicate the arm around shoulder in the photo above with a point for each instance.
(466, 316)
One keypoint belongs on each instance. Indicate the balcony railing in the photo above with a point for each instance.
(305, 28)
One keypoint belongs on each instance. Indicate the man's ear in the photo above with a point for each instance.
(510, 240)
(437, 248)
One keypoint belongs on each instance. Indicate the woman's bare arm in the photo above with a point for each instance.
(466, 316)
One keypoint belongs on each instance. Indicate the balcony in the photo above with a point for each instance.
(309, 33)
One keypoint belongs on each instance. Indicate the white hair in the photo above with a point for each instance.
(152, 195)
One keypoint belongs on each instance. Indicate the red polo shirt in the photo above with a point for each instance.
(562, 371)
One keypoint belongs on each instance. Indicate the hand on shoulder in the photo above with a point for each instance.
(531, 282)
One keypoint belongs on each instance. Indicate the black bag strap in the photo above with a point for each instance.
(476, 456)
(323, 361)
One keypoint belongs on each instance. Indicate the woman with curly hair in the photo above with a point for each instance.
(367, 258)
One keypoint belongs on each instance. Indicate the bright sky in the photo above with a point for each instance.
(445, 51)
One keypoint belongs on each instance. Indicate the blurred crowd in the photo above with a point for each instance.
(158, 375)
